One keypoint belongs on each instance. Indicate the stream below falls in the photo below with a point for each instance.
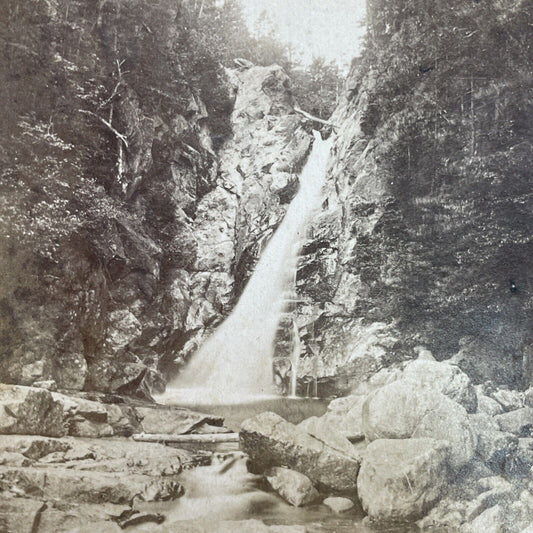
(226, 491)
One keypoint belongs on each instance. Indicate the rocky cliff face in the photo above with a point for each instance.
(125, 235)
(425, 238)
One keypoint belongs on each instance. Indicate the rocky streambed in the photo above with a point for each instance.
(415, 447)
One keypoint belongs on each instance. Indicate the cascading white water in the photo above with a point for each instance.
(236, 361)
(295, 358)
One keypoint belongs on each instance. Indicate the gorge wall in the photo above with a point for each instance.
(140, 182)
(125, 231)
(429, 203)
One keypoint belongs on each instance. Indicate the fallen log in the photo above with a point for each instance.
(313, 118)
(185, 439)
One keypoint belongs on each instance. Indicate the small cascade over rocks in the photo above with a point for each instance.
(236, 361)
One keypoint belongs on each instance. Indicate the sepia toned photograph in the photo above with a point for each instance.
(266, 266)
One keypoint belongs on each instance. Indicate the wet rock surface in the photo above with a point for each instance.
(271, 441)
(292, 486)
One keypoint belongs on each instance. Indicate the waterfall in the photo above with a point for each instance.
(236, 361)
(295, 358)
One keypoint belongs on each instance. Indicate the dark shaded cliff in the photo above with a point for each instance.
(125, 230)
(430, 200)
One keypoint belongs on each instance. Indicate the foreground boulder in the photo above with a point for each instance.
(270, 441)
(400, 480)
(292, 486)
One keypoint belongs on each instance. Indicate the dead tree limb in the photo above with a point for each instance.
(117, 133)
(183, 439)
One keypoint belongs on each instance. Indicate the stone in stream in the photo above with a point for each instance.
(338, 505)
(401, 479)
(293, 487)
(269, 440)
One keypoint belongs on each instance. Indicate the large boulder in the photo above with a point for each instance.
(402, 409)
(270, 441)
(446, 378)
(401, 479)
(449, 422)
(395, 410)
(30, 411)
(292, 486)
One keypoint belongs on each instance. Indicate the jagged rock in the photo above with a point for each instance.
(173, 420)
(447, 515)
(295, 488)
(400, 479)
(33, 447)
(338, 505)
(519, 463)
(488, 405)
(510, 400)
(123, 419)
(493, 446)
(519, 422)
(86, 486)
(489, 521)
(343, 417)
(124, 328)
(446, 378)
(499, 491)
(29, 411)
(64, 518)
(271, 441)
(14, 459)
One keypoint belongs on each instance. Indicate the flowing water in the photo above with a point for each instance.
(236, 361)
(226, 491)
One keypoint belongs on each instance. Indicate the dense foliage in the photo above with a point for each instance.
(444, 98)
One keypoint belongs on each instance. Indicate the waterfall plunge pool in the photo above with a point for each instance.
(238, 408)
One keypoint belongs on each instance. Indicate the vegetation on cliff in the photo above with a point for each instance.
(433, 169)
